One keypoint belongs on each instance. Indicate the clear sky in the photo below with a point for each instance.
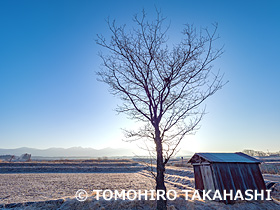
(49, 95)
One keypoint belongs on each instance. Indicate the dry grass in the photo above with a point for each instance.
(25, 187)
(179, 203)
(270, 168)
(45, 187)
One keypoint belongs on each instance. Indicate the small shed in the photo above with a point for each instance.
(227, 171)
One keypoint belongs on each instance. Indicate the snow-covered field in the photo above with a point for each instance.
(57, 190)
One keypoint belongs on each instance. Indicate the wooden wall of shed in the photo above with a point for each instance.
(237, 176)
(207, 177)
(198, 178)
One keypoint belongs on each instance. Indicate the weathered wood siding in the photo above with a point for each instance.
(198, 178)
(237, 176)
(207, 177)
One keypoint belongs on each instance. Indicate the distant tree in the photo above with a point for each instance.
(249, 152)
(160, 86)
(261, 153)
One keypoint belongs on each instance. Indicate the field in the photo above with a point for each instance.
(270, 165)
(53, 184)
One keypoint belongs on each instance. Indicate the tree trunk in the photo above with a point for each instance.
(161, 203)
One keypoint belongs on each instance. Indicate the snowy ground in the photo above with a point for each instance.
(272, 177)
(57, 190)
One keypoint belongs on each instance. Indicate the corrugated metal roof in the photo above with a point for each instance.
(238, 157)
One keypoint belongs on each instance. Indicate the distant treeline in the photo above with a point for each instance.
(260, 153)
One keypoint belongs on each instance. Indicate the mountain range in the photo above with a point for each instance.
(69, 152)
(78, 152)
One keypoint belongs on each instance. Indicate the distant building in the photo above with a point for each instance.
(227, 171)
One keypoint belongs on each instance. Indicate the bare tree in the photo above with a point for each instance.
(160, 86)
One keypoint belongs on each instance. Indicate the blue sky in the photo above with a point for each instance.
(50, 96)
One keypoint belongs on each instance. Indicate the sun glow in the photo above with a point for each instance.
(190, 143)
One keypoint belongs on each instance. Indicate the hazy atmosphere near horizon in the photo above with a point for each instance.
(50, 96)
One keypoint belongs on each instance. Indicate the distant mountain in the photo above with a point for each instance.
(69, 152)
(80, 152)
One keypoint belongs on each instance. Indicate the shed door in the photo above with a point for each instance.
(207, 177)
